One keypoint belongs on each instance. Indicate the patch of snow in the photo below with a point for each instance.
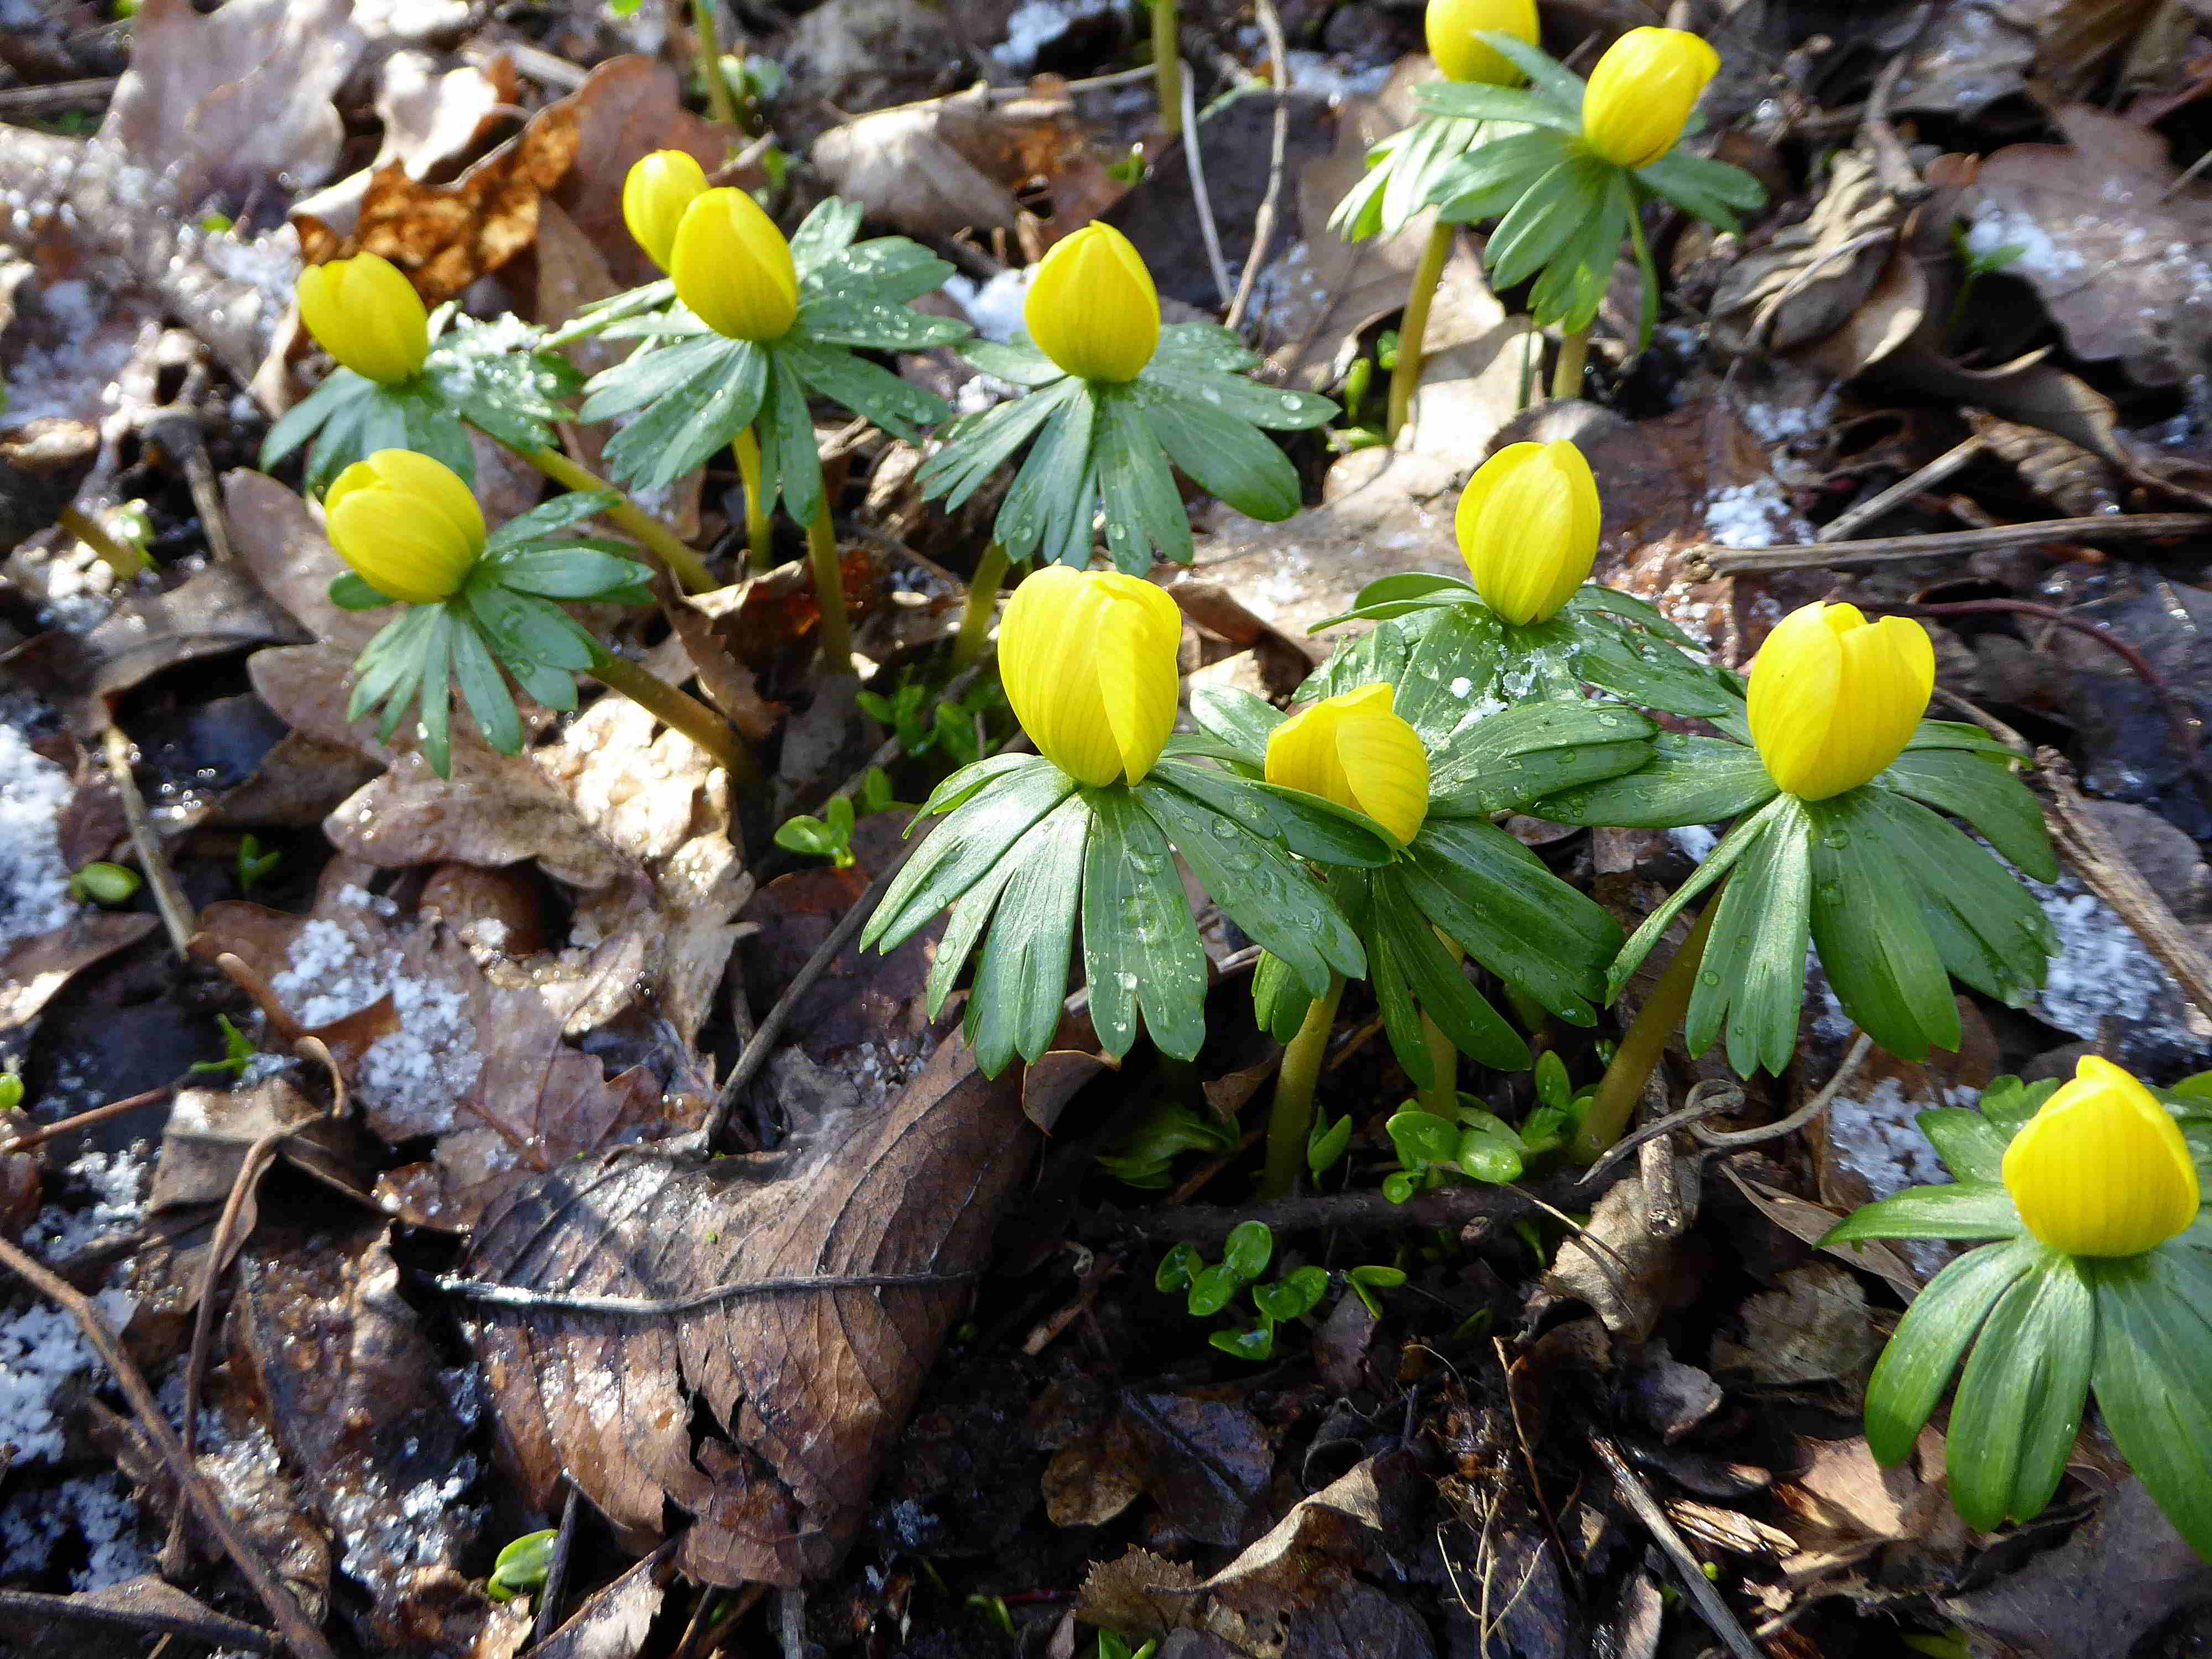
(1036, 24)
(1754, 515)
(50, 380)
(2104, 985)
(2041, 255)
(1775, 423)
(41, 1352)
(96, 1507)
(994, 305)
(34, 881)
(1694, 841)
(1318, 72)
(116, 1183)
(412, 1076)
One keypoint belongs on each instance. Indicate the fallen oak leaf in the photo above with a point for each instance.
(794, 1297)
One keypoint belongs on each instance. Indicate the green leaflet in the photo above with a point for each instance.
(1931, 1339)
(1753, 971)
(1687, 781)
(1717, 864)
(1874, 945)
(1482, 888)
(1021, 981)
(1140, 943)
(1407, 944)
(2019, 1403)
(1966, 1209)
(1508, 759)
(1981, 788)
(963, 849)
(2153, 1387)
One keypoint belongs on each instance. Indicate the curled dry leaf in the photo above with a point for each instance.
(1842, 1506)
(1813, 275)
(376, 1431)
(805, 1387)
(1814, 1326)
(2115, 244)
(430, 116)
(952, 164)
(33, 969)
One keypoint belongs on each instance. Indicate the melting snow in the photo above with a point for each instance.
(34, 881)
(1754, 515)
(994, 305)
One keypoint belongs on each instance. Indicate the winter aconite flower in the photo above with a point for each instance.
(734, 268)
(1527, 527)
(1092, 307)
(2102, 1169)
(1641, 93)
(655, 193)
(1834, 697)
(365, 312)
(1089, 661)
(1453, 26)
(1355, 749)
(406, 524)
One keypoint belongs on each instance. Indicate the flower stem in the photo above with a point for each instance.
(982, 601)
(1440, 1094)
(1405, 379)
(683, 563)
(709, 36)
(678, 709)
(1622, 1086)
(1567, 372)
(829, 590)
(125, 560)
(1167, 65)
(1289, 1120)
(745, 448)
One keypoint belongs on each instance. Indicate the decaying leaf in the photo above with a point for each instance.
(2118, 247)
(1804, 284)
(1815, 1326)
(805, 1386)
(951, 164)
(1842, 1507)
(33, 969)
(375, 1430)
(430, 115)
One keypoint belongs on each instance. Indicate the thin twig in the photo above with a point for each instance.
(1837, 528)
(207, 1625)
(764, 1039)
(177, 913)
(1263, 222)
(660, 1307)
(1711, 1098)
(2108, 872)
(15, 102)
(1361, 1211)
(1720, 560)
(545, 1618)
(1646, 1508)
(62, 1126)
(299, 1633)
(1208, 229)
(1861, 1045)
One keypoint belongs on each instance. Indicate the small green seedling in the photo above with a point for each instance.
(103, 883)
(254, 865)
(1209, 1289)
(11, 1091)
(1111, 1646)
(238, 1050)
(522, 1565)
(829, 836)
(1144, 1156)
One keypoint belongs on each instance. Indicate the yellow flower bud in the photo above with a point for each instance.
(1092, 307)
(1834, 697)
(365, 312)
(734, 268)
(1355, 749)
(1642, 92)
(1452, 25)
(406, 524)
(655, 192)
(1088, 659)
(1528, 527)
(2102, 1169)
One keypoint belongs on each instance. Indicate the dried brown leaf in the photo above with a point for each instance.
(1812, 276)
(1814, 1326)
(951, 164)
(806, 1388)
(33, 969)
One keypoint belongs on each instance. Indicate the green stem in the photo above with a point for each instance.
(678, 709)
(1289, 1120)
(125, 560)
(683, 563)
(719, 97)
(1440, 1096)
(1640, 1049)
(982, 603)
(1405, 379)
(1567, 372)
(1167, 65)
(759, 537)
(829, 590)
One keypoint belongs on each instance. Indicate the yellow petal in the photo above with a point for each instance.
(2102, 1169)
(1355, 749)
(1092, 307)
(1452, 25)
(1087, 660)
(734, 268)
(407, 525)
(365, 312)
(655, 192)
(1641, 93)
(1834, 698)
(1527, 527)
